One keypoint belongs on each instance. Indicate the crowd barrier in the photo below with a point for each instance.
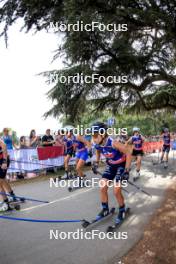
(150, 147)
(28, 160)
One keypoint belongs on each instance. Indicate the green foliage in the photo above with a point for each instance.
(146, 53)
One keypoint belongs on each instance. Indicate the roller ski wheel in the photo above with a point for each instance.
(165, 165)
(70, 189)
(15, 204)
(17, 207)
(136, 178)
(86, 223)
(112, 228)
(58, 178)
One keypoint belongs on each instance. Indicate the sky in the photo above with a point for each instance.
(23, 93)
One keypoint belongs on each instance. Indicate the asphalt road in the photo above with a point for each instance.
(30, 243)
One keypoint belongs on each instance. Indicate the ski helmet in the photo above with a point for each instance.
(99, 127)
(136, 129)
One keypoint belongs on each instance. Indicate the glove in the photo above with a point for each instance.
(122, 175)
(125, 175)
(95, 168)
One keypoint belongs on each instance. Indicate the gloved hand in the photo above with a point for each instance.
(95, 168)
(125, 175)
(122, 175)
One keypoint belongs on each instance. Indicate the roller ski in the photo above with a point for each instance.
(12, 199)
(70, 174)
(66, 176)
(9, 206)
(137, 176)
(81, 184)
(121, 217)
(165, 164)
(102, 215)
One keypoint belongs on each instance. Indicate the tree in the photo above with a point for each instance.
(145, 53)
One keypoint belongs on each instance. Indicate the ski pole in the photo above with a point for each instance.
(98, 172)
(24, 198)
(139, 188)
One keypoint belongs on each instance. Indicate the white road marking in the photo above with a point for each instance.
(56, 201)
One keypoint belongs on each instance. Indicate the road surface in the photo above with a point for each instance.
(30, 243)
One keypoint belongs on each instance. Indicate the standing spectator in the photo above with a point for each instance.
(59, 139)
(47, 139)
(8, 140)
(23, 143)
(34, 140)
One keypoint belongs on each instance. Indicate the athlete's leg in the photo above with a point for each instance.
(162, 155)
(138, 165)
(167, 154)
(2, 190)
(104, 190)
(66, 161)
(79, 166)
(4, 206)
(81, 157)
(107, 176)
(6, 186)
(66, 164)
(118, 194)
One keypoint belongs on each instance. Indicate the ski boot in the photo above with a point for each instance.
(66, 175)
(137, 176)
(12, 198)
(4, 207)
(121, 215)
(165, 164)
(104, 212)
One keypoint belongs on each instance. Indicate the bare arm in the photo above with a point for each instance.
(98, 154)
(143, 138)
(4, 150)
(5, 155)
(129, 141)
(127, 150)
(83, 140)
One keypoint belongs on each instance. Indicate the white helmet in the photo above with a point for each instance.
(136, 129)
(166, 130)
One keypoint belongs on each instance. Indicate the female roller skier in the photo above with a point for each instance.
(69, 150)
(118, 161)
(81, 146)
(4, 185)
(166, 146)
(137, 140)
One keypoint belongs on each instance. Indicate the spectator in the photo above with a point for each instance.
(59, 139)
(23, 143)
(8, 140)
(34, 140)
(47, 139)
